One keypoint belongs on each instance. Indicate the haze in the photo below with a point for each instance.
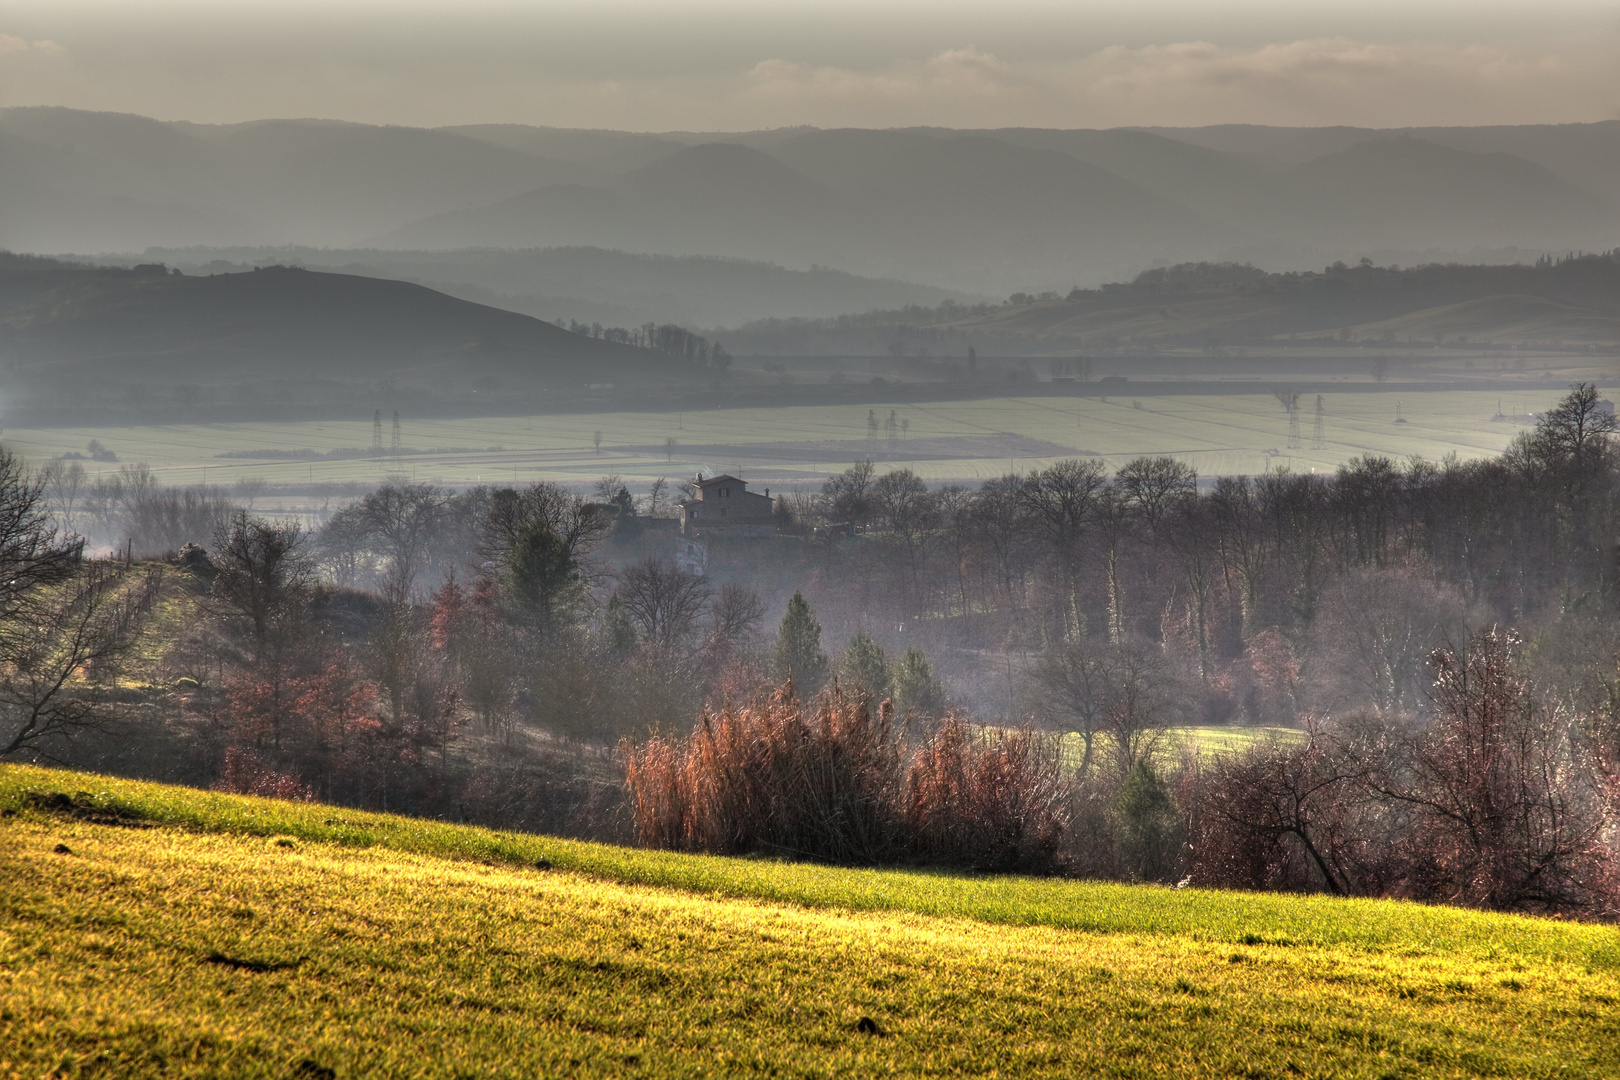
(733, 66)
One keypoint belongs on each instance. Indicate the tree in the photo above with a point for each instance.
(847, 497)
(664, 600)
(1129, 690)
(798, 654)
(864, 666)
(55, 638)
(1498, 813)
(917, 690)
(1577, 429)
(1154, 485)
(399, 523)
(1060, 500)
(1150, 821)
(539, 540)
(64, 486)
(736, 614)
(33, 555)
(909, 514)
(264, 572)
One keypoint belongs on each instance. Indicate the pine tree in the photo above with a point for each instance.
(863, 665)
(916, 688)
(798, 654)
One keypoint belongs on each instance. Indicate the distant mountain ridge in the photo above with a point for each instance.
(984, 211)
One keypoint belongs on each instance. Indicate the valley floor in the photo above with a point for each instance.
(155, 931)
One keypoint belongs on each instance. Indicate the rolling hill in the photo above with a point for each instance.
(61, 323)
(591, 284)
(1574, 302)
(152, 930)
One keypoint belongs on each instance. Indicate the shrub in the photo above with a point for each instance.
(830, 780)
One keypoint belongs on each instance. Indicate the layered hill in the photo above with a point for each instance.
(989, 211)
(61, 324)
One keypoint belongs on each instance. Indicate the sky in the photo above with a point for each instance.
(724, 65)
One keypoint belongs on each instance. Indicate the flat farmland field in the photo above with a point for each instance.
(795, 447)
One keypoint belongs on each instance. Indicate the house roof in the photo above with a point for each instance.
(721, 479)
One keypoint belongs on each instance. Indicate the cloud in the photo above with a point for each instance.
(953, 75)
(21, 47)
(1306, 82)
(1330, 80)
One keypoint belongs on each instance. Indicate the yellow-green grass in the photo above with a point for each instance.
(1245, 432)
(238, 936)
(1169, 747)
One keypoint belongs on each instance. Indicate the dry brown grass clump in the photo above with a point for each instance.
(834, 779)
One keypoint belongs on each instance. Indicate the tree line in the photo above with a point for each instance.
(1431, 645)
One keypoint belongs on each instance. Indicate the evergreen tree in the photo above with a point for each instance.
(798, 654)
(1151, 824)
(916, 688)
(617, 629)
(863, 665)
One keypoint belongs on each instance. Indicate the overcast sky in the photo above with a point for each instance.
(656, 65)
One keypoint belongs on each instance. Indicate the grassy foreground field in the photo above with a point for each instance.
(183, 933)
(1244, 432)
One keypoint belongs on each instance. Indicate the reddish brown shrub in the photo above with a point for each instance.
(992, 798)
(830, 780)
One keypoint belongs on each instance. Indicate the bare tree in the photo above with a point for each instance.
(847, 497)
(1499, 816)
(737, 613)
(1060, 500)
(1374, 631)
(64, 487)
(664, 600)
(65, 632)
(264, 572)
(33, 555)
(1155, 485)
(399, 522)
(1129, 691)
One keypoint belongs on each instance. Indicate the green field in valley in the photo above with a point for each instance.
(797, 446)
(150, 931)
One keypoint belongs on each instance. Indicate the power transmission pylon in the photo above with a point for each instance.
(376, 434)
(1293, 422)
(1319, 434)
(396, 433)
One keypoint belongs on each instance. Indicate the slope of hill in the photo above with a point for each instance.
(79, 323)
(269, 181)
(1500, 320)
(589, 284)
(230, 935)
(1574, 301)
(1412, 191)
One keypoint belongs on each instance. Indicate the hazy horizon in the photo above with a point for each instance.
(722, 66)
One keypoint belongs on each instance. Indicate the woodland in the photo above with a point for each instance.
(1439, 640)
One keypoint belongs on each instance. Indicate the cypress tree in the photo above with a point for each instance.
(798, 654)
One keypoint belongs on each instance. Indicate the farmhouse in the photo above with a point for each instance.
(725, 507)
